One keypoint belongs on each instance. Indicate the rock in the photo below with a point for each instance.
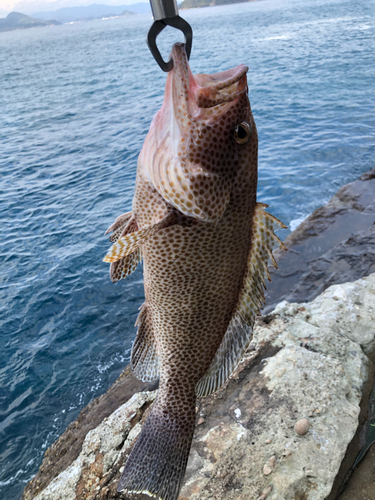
(268, 467)
(267, 470)
(266, 492)
(335, 244)
(302, 426)
(272, 461)
(362, 483)
(100, 454)
(67, 448)
(308, 357)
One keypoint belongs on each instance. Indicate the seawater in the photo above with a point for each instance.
(76, 102)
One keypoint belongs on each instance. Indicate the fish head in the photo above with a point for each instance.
(202, 141)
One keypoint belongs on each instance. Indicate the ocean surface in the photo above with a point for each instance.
(76, 102)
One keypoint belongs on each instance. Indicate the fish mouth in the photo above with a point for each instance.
(202, 92)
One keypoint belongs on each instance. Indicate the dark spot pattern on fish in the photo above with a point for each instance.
(206, 243)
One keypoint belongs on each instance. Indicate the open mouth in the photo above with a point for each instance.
(218, 88)
(204, 92)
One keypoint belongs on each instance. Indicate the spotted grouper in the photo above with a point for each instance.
(205, 243)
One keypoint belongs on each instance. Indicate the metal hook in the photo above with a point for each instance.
(165, 13)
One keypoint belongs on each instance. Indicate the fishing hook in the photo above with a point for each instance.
(165, 13)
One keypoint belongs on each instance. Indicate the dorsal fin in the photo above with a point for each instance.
(240, 330)
(127, 244)
(144, 358)
(235, 341)
(264, 241)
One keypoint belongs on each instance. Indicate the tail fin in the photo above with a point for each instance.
(156, 465)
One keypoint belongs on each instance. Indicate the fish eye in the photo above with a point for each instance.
(242, 133)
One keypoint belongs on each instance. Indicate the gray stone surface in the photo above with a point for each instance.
(333, 245)
(68, 446)
(308, 361)
(354, 257)
(101, 451)
(318, 373)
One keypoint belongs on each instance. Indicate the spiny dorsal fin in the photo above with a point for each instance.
(144, 358)
(240, 330)
(264, 241)
(130, 242)
(125, 266)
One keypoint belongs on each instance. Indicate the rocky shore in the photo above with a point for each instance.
(335, 244)
(288, 423)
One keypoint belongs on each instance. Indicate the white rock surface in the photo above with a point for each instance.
(316, 361)
(101, 447)
(318, 373)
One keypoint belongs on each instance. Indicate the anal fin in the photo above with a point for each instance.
(251, 298)
(144, 358)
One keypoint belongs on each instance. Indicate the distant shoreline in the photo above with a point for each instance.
(194, 4)
(17, 21)
(27, 22)
(68, 15)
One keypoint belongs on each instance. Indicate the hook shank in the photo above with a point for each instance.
(165, 13)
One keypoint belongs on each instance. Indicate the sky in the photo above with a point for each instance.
(30, 6)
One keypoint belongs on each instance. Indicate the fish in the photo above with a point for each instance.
(206, 243)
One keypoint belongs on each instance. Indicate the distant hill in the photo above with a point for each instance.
(16, 21)
(94, 11)
(191, 4)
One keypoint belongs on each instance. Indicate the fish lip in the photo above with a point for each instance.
(222, 80)
(206, 90)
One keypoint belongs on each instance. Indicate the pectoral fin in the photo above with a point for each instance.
(118, 226)
(123, 225)
(240, 330)
(127, 244)
(120, 269)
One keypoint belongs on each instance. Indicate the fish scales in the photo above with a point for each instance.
(205, 242)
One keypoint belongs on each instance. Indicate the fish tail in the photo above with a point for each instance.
(156, 465)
